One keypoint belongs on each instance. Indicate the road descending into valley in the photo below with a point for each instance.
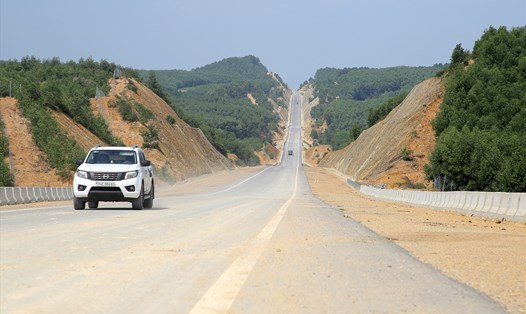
(260, 244)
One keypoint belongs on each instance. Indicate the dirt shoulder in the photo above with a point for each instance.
(484, 254)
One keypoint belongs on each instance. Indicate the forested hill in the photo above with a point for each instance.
(234, 101)
(352, 99)
(481, 127)
(55, 112)
(226, 71)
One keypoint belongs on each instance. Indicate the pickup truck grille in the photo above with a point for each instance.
(106, 176)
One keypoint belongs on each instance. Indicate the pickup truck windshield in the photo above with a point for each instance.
(112, 157)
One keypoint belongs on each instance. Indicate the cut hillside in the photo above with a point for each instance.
(29, 164)
(314, 152)
(308, 101)
(348, 97)
(376, 155)
(240, 106)
(182, 151)
(82, 136)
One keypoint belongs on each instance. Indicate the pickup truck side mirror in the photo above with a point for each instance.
(145, 163)
(79, 162)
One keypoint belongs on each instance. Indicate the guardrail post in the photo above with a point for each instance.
(521, 208)
(14, 195)
(4, 200)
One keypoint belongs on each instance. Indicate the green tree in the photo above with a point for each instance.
(154, 85)
(459, 55)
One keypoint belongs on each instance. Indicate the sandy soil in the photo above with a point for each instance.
(486, 255)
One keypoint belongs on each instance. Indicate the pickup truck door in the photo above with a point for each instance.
(147, 174)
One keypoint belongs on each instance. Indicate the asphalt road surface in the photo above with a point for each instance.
(262, 244)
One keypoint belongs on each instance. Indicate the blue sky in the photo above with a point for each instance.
(293, 38)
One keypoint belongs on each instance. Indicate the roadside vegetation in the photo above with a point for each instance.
(6, 177)
(481, 127)
(214, 99)
(353, 99)
(41, 86)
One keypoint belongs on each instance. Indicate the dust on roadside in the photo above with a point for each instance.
(484, 254)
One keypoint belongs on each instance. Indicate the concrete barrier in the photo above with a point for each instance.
(24, 195)
(493, 205)
(521, 207)
(355, 185)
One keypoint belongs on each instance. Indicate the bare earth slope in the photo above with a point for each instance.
(308, 102)
(82, 136)
(375, 156)
(30, 166)
(183, 151)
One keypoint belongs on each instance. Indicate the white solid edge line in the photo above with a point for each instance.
(221, 295)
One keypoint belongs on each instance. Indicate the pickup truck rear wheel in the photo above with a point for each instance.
(148, 203)
(93, 204)
(138, 203)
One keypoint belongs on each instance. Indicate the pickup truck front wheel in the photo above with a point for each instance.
(78, 204)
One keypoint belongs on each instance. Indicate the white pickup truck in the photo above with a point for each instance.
(114, 174)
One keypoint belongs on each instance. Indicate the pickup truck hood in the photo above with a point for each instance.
(107, 167)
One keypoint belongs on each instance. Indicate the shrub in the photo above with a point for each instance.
(144, 113)
(132, 87)
(126, 110)
(170, 119)
(150, 137)
(6, 177)
(406, 154)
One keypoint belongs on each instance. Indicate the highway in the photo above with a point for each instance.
(261, 244)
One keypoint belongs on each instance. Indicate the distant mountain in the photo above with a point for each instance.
(226, 71)
(237, 103)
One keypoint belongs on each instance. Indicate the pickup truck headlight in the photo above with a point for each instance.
(130, 175)
(82, 174)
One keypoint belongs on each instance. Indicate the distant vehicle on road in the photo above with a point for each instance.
(114, 174)
(290, 152)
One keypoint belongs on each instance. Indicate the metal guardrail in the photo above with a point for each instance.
(493, 205)
(24, 195)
